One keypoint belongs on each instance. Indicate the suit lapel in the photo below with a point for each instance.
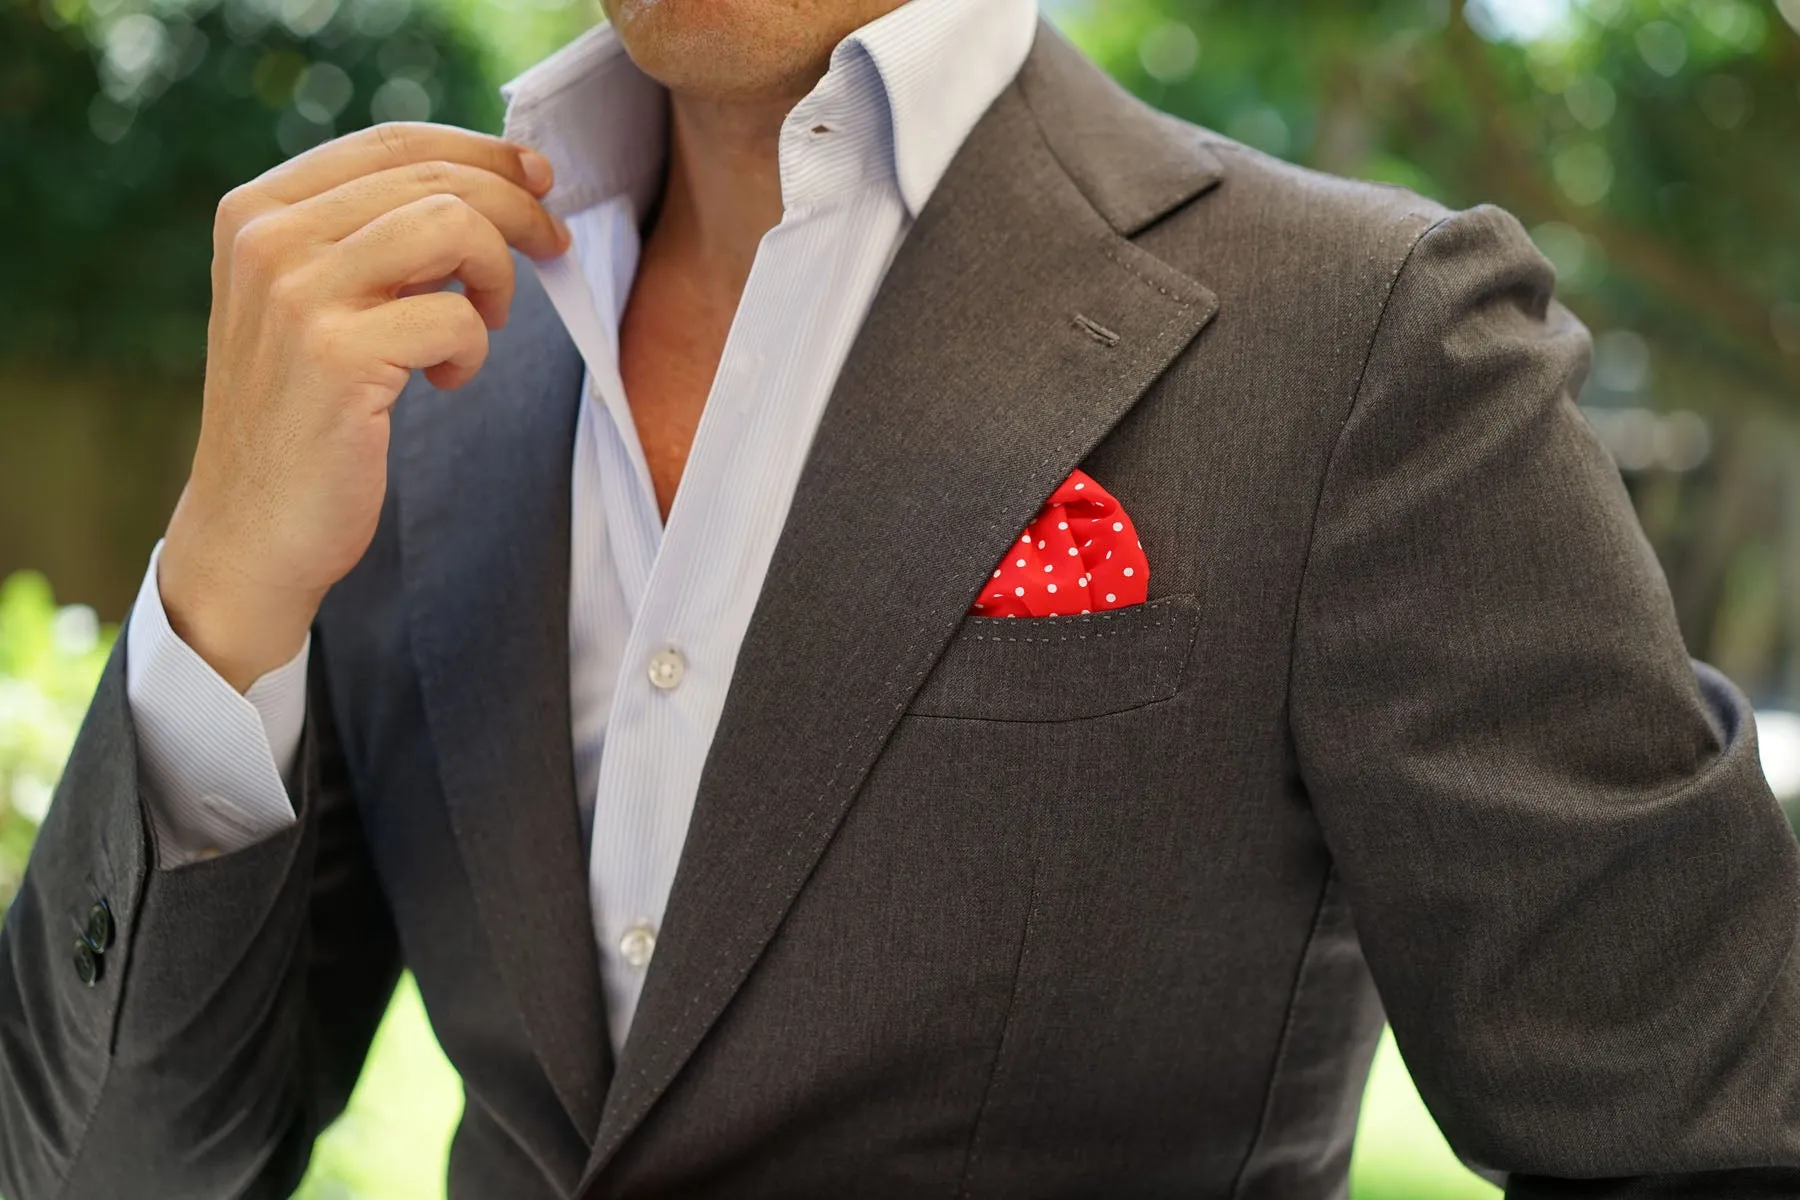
(483, 481)
(1015, 328)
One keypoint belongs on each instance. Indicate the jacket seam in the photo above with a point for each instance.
(1287, 1029)
(1312, 529)
(1362, 374)
(971, 1155)
(1293, 655)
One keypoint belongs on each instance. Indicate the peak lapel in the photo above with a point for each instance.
(483, 479)
(971, 394)
(1134, 164)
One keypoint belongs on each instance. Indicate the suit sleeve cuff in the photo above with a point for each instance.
(214, 764)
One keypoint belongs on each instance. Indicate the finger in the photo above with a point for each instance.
(515, 212)
(440, 334)
(399, 144)
(434, 238)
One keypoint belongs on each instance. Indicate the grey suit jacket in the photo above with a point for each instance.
(1087, 906)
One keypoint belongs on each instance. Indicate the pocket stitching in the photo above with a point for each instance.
(1170, 616)
(1155, 625)
(1097, 715)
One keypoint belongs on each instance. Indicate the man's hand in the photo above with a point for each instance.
(322, 279)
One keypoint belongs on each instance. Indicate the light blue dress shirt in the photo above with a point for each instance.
(656, 613)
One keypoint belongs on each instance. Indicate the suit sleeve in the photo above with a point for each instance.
(1576, 894)
(224, 1022)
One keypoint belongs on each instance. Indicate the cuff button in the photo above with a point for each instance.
(100, 927)
(87, 963)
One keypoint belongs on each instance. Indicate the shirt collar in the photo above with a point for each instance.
(943, 63)
(938, 64)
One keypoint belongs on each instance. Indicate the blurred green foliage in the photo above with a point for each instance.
(122, 122)
(50, 660)
(1661, 139)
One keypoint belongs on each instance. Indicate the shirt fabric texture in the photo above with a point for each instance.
(657, 613)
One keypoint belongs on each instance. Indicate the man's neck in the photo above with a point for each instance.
(723, 190)
(722, 194)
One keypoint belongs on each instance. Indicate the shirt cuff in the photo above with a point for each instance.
(213, 764)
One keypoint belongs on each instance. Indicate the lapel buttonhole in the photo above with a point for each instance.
(1095, 330)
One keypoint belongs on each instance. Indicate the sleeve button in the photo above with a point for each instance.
(87, 963)
(100, 927)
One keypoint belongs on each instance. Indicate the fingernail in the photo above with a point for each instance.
(537, 170)
(562, 230)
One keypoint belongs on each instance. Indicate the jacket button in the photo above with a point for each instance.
(100, 927)
(87, 963)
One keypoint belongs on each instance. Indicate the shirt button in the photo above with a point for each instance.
(638, 944)
(667, 667)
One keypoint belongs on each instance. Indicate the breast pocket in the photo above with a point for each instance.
(1062, 668)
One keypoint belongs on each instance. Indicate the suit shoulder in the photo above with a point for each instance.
(1327, 252)
(1356, 230)
(1322, 216)
(1158, 179)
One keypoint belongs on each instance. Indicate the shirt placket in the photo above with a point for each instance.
(690, 609)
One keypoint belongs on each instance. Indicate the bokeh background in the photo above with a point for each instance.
(1651, 146)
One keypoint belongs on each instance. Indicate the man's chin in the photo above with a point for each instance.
(738, 49)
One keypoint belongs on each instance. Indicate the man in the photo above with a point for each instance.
(682, 700)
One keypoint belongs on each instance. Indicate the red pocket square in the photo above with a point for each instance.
(1080, 555)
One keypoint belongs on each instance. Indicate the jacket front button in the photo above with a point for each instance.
(100, 927)
(87, 963)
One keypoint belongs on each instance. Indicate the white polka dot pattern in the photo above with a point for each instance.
(1080, 554)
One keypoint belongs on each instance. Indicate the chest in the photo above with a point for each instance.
(671, 340)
